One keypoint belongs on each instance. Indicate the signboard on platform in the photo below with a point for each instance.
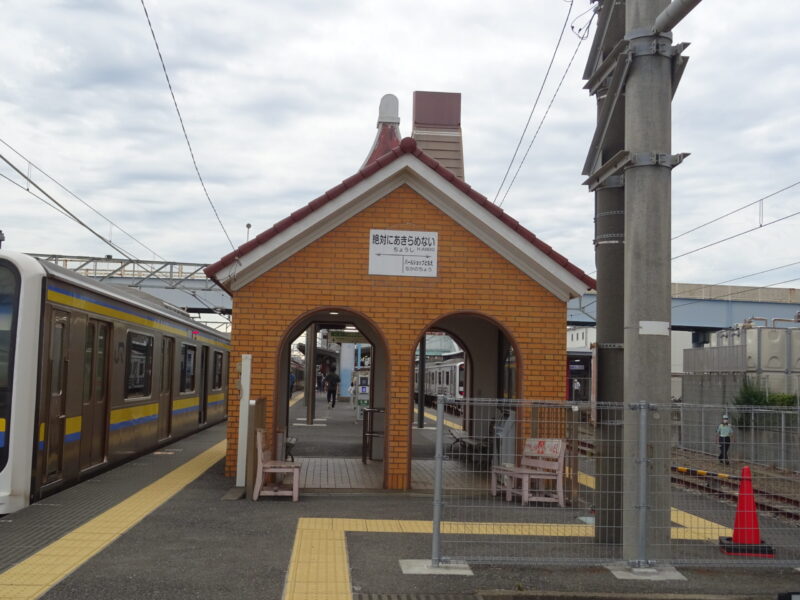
(401, 252)
(339, 336)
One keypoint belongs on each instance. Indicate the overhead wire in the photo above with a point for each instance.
(739, 278)
(535, 102)
(61, 208)
(738, 292)
(728, 214)
(736, 235)
(183, 127)
(760, 226)
(78, 198)
(701, 287)
(55, 204)
(583, 34)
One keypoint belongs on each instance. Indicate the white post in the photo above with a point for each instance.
(244, 415)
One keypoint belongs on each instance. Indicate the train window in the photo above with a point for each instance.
(57, 356)
(167, 351)
(88, 362)
(216, 380)
(139, 370)
(9, 292)
(188, 359)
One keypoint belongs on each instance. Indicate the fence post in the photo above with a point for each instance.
(642, 506)
(783, 440)
(438, 484)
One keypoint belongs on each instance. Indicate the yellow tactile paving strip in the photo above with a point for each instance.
(691, 527)
(37, 574)
(432, 416)
(319, 569)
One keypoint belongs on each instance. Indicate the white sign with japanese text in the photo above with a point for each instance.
(408, 253)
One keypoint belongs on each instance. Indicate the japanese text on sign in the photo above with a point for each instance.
(408, 253)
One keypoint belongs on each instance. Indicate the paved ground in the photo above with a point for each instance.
(337, 432)
(198, 545)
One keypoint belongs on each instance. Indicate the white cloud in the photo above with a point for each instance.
(280, 102)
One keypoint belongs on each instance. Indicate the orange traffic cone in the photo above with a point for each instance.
(746, 540)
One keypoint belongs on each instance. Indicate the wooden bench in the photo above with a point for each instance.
(267, 469)
(542, 461)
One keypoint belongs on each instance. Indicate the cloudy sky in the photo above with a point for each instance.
(280, 101)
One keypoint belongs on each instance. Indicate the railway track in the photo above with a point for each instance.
(776, 495)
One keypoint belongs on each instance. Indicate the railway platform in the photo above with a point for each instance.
(162, 526)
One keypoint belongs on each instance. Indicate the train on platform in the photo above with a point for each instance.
(445, 377)
(92, 375)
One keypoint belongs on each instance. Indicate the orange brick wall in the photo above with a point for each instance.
(329, 273)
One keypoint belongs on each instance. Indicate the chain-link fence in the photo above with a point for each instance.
(673, 483)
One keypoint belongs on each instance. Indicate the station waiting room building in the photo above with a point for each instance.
(401, 248)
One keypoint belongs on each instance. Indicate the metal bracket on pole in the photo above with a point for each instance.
(613, 181)
(651, 159)
(622, 64)
(613, 166)
(610, 213)
(610, 346)
(606, 68)
(609, 238)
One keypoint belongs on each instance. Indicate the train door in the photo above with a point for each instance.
(56, 394)
(94, 410)
(203, 383)
(165, 393)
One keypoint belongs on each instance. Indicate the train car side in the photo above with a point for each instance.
(20, 314)
(119, 374)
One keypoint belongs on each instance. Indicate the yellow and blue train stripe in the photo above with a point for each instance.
(132, 416)
(184, 405)
(122, 418)
(2, 433)
(72, 429)
(76, 299)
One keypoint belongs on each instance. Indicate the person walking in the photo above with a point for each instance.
(332, 383)
(724, 436)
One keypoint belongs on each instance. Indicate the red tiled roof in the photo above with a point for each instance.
(407, 146)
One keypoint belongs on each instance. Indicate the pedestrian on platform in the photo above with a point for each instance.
(332, 383)
(725, 436)
(291, 384)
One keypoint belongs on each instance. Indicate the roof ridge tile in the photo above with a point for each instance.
(407, 145)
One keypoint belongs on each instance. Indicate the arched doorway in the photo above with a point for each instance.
(332, 349)
(481, 363)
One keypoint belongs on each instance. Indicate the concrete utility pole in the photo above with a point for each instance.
(644, 68)
(648, 138)
(609, 260)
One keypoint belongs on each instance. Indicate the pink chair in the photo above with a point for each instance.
(279, 468)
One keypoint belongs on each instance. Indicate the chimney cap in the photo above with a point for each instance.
(389, 110)
(437, 109)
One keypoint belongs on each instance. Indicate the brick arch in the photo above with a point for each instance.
(434, 324)
(367, 326)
